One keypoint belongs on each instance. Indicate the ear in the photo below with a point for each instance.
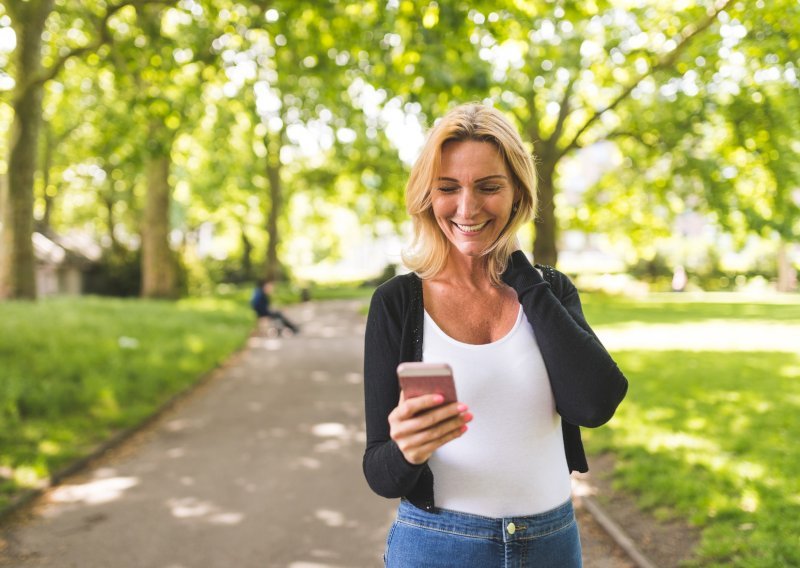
(517, 196)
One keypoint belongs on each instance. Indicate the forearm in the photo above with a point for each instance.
(587, 384)
(386, 470)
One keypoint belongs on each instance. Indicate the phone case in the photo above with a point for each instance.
(417, 379)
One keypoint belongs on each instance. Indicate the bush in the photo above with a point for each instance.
(118, 273)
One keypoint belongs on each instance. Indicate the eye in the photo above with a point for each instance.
(447, 188)
(491, 188)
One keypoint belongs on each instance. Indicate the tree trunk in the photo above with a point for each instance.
(108, 201)
(17, 261)
(47, 164)
(247, 256)
(159, 275)
(544, 244)
(272, 268)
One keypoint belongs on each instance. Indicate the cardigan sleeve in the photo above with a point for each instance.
(587, 384)
(386, 469)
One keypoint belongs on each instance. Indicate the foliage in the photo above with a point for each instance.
(716, 137)
(707, 274)
(651, 269)
(118, 273)
(702, 434)
(276, 114)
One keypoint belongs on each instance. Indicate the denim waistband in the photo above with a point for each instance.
(502, 529)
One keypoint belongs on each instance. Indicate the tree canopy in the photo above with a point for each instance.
(150, 123)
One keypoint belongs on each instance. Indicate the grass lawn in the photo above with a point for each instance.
(708, 433)
(75, 370)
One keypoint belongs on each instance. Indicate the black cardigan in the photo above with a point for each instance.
(587, 384)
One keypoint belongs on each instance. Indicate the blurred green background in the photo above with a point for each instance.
(161, 148)
(179, 150)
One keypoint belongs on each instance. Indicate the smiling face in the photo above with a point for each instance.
(473, 196)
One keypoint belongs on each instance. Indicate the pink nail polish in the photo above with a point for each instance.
(462, 407)
(464, 428)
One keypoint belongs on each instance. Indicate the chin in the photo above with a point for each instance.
(470, 250)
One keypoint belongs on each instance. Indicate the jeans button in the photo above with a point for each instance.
(511, 528)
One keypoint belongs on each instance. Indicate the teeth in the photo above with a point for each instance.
(471, 228)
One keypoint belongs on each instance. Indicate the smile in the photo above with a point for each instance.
(471, 228)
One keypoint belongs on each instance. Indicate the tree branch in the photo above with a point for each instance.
(531, 125)
(563, 113)
(104, 37)
(667, 60)
(628, 134)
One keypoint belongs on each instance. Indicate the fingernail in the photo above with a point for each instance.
(439, 398)
(468, 416)
(464, 428)
(462, 407)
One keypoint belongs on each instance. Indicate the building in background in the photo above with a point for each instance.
(63, 263)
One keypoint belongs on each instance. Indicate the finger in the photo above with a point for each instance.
(416, 438)
(433, 416)
(422, 453)
(404, 423)
(438, 409)
(421, 403)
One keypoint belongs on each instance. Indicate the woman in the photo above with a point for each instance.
(483, 481)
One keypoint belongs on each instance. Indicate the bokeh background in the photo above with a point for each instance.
(180, 150)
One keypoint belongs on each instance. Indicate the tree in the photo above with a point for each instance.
(32, 72)
(577, 64)
(17, 278)
(162, 62)
(245, 105)
(716, 138)
(564, 70)
(297, 100)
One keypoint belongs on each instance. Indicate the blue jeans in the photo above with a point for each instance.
(451, 539)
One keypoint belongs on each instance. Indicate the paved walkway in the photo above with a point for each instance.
(260, 466)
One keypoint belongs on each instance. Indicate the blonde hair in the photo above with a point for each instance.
(428, 253)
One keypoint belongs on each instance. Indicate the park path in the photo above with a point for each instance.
(260, 466)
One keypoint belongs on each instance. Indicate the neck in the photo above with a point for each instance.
(467, 271)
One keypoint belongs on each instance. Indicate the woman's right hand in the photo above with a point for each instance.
(422, 424)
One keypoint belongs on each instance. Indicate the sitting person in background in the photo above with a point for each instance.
(260, 303)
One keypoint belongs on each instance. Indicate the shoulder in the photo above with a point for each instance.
(398, 285)
(559, 282)
(397, 293)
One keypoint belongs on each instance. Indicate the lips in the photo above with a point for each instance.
(471, 228)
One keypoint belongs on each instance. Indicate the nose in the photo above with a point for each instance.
(468, 203)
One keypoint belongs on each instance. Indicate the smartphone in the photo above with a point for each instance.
(418, 378)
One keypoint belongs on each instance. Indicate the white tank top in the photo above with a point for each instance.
(511, 460)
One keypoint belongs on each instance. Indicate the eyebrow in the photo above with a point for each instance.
(476, 181)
